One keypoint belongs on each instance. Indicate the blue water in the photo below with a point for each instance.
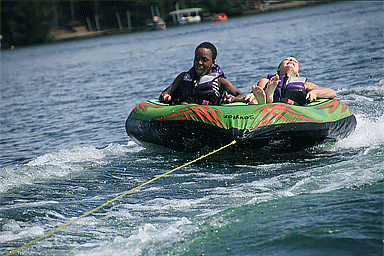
(64, 150)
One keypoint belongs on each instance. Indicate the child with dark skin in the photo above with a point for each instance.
(203, 64)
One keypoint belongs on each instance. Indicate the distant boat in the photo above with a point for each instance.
(186, 16)
(156, 24)
(220, 17)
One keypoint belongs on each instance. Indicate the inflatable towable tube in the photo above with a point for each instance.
(277, 126)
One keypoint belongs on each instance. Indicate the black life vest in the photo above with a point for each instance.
(290, 90)
(200, 90)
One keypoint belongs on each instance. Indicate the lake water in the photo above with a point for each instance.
(64, 150)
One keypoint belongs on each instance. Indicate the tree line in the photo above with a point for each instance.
(31, 22)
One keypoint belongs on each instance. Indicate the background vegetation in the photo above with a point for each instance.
(31, 22)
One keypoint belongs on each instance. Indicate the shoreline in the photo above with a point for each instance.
(60, 35)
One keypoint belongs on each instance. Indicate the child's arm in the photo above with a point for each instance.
(230, 88)
(166, 95)
(314, 91)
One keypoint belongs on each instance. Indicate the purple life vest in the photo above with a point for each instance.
(290, 90)
(202, 90)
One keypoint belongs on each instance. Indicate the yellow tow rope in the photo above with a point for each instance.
(114, 199)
